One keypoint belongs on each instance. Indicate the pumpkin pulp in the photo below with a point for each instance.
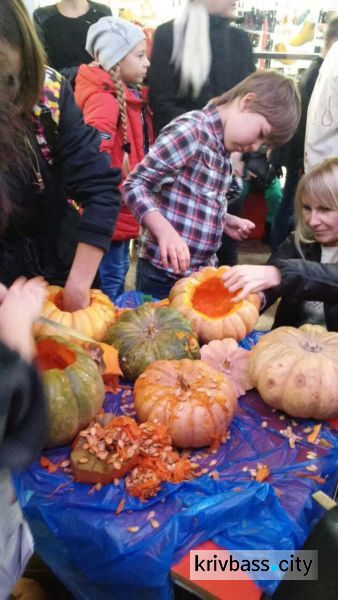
(212, 299)
(53, 355)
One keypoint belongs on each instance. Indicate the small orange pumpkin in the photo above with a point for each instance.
(93, 321)
(195, 402)
(296, 370)
(205, 302)
(226, 356)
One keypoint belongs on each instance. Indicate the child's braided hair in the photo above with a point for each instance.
(114, 74)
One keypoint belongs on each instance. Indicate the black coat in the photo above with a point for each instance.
(64, 39)
(232, 61)
(43, 233)
(23, 412)
(303, 280)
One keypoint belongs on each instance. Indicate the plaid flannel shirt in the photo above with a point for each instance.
(185, 175)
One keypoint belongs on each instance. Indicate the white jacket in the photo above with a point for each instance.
(321, 136)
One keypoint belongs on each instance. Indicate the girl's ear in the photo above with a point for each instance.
(246, 101)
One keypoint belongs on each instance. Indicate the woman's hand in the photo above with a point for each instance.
(237, 228)
(20, 305)
(249, 279)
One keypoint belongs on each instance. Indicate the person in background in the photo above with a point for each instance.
(196, 57)
(321, 135)
(62, 29)
(34, 190)
(113, 102)
(292, 154)
(23, 418)
(178, 192)
(303, 272)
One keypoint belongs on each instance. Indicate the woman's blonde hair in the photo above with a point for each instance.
(191, 54)
(276, 98)
(320, 184)
(120, 96)
(17, 33)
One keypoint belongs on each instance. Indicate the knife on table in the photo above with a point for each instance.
(64, 330)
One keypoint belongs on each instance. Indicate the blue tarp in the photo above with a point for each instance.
(90, 550)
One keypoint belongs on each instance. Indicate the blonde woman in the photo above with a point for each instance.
(112, 101)
(303, 272)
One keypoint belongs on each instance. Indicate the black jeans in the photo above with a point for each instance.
(153, 281)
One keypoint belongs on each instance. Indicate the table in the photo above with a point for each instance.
(88, 547)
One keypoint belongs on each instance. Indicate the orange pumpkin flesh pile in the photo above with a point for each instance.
(212, 299)
(108, 449)
(53, 355)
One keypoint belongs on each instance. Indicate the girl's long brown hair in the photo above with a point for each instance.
(21, 80)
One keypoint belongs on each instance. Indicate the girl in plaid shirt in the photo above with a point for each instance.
(178, 192)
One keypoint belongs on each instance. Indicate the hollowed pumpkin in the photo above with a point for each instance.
(296, 370)
(73, 387)
(205, 302)
(93, 321)
(146, 334)
(192, 399)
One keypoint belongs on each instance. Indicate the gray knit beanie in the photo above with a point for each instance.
(110, 39)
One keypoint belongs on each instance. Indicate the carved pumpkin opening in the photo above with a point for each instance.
(53, 355)
(212, 299)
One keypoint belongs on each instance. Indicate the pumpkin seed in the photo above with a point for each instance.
(212, 463)
(151, 515)
(65, 463)
(83, 460)
(311, 468)
(155, 524)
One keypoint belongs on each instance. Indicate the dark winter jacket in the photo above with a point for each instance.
(303, 280)
(232, 61)
(22, 412)
(64, 38)
(42, 235)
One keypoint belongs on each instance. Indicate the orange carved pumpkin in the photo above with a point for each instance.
(93, 321)
(296, 370)
(204, 301)
(193, 400)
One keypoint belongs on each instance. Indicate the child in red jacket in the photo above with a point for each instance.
(109, 96)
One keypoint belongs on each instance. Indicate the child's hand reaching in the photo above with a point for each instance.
(174, 251)
(20, 305)
(237, 228)
(250, 278)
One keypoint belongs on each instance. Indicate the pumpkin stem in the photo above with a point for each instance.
(312, 347)
(151, 331)
(182, 382)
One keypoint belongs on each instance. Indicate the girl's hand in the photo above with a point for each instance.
(249, 279)
(20, 305)
(174, 251)
(237, 228)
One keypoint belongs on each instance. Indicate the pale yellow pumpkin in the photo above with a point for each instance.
(195, 402)
(296, 370)
(205, 302)
(93, 321)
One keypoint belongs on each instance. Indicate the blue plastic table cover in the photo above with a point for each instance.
(90, 549)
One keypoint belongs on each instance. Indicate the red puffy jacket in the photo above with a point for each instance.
(95, 94)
